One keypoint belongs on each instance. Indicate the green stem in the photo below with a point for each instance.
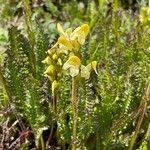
(75, 115)
(133, 140)
(42, 143)
(4, 85)
(141, 117)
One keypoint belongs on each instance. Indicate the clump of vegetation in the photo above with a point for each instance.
(90, 90)
(68, 47)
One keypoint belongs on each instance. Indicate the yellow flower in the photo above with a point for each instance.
(66, 33)
(65, 42)
(82, 29)
(73, 64)
(60, 29)
(69, 43)
(86, 70)
(73, 61)
(50, 70)
(59, 62)
(76, 45)
(53, 49)
(55, 57)
(93, 65)
(47, 61)
(80, 33)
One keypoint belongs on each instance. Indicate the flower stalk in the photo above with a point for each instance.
(75, 112)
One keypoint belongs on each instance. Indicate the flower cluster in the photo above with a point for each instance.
(54, 69)
(68, 46)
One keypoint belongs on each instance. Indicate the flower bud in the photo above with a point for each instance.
(51, 70)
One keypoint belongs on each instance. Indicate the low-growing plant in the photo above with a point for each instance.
(90, 90)
(68, 48)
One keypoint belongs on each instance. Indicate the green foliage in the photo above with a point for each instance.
(25, 88)
(112, 106)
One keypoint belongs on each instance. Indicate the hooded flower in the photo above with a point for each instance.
(86, 70)
(73, 64)
(64, 42)
(80, 33)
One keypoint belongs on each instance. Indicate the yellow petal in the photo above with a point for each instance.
(81, 39)
(80, 33)
(77, 29)
(47, 60)
(85, 72)
(53, 49)
(60, 29)
(50, 70)
(62, 50)
(74, 71)
(85, 28)
(94, 64)
(68, 31)
(59, 62)
(76, 45)
(66, 66)
(62, 40)
(49, 77)
(55, 56)
(75, 33)
(89, 66)
(74, 61)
